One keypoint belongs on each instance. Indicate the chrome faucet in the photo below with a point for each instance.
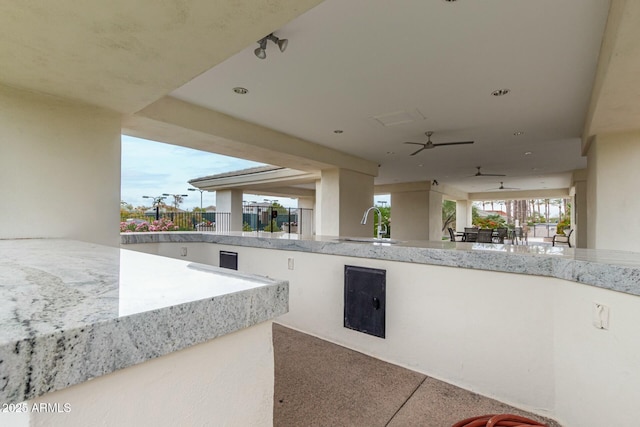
(382, 228)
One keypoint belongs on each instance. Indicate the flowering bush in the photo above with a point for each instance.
(157, 225)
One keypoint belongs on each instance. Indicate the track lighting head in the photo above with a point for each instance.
(282, 43)
(261, 52)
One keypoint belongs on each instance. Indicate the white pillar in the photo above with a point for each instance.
(410, 215)
(230, 201)
(612, 187)
(435, 215)
(463, 214)
(306, 223)
(59, 169)
(579, 209)
(342, 197)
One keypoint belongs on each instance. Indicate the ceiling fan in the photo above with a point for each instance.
(502, 187)
(428, 145)
(479, 173)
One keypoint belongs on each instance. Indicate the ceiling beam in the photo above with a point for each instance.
(181, 123)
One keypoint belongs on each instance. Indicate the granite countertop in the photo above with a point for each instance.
(73, 311)
(608, 269)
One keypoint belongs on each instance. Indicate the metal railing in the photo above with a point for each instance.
(543, 230)
(254, 218)
(184, 221)
(277, 219)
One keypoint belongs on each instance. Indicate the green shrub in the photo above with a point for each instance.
(272, 227)
(565, 223)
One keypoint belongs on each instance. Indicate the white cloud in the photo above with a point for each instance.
(152, 168)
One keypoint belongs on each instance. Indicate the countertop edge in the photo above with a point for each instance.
(54, 361)
(563, 265)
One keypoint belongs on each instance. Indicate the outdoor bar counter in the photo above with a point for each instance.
(551, 330)
(74, 311)
(607, 269)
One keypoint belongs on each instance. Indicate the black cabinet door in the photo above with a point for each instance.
(228, 260)
(365, 299)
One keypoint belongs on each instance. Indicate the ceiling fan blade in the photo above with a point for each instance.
(490, 174)
(415, 143)
(453, 143)
(413, 154)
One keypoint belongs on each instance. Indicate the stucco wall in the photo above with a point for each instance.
(526, 340)
(59, 169)
(224, 382)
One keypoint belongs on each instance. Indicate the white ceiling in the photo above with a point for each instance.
(351, 61)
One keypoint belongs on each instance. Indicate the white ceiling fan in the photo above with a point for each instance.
(479, 173)
(428, 145)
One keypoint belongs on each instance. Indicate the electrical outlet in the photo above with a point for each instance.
(290, 263)
(600, 316)
(183, 251)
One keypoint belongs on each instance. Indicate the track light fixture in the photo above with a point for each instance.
(261, 51)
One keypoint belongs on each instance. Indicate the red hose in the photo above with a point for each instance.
(498, 420)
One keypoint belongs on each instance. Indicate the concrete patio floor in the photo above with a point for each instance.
(318, 383)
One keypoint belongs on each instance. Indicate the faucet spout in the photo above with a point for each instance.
(381, 228)
(364, 217)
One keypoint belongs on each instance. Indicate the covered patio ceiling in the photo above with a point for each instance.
(385, 73)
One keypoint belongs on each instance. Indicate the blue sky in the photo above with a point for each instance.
(152, 168)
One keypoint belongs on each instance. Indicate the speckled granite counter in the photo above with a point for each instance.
(615, 270)
(73, 311)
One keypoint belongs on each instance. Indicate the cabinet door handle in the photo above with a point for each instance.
(376, 303)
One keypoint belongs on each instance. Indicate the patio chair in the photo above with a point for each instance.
(562, 238)
(485, 235)
(520, 235)
(501, 235)
(452, 235)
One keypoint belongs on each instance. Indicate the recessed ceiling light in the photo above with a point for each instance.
(390, 152)
(518, 133)
(338, 131)
(240, 90)
(500, 92)
(420, 165)
(527, 153)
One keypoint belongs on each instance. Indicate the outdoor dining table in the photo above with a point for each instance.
(467, 234)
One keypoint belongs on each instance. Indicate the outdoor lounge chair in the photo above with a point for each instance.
(562, 238)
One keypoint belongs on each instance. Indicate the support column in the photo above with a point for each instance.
(306, 223)
(342, 196)
(59, 169)
(612, 204)
(435, 215)
(410, 215)
(229, 201)
(463, 214)
(579, 209)
(416, 212)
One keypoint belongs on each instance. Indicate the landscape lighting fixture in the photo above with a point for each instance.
(261, 50)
